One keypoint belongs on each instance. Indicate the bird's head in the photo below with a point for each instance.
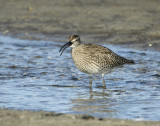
(74, 40)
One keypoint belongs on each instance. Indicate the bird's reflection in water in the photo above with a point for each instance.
(98, 103)
(92, 92)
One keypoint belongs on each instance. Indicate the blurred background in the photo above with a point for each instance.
(109, 21)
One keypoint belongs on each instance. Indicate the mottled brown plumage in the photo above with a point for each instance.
(94, 59)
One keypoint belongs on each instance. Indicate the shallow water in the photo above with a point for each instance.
(34, 77)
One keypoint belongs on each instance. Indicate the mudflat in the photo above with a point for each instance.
(116, 22)
(41, 118)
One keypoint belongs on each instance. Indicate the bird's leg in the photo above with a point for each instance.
(91, 93)
(90, 81)
(104, 84)
(90, 86)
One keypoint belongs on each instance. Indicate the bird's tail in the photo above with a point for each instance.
(130, 62)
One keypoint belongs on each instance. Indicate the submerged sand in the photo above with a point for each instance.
(129, 22)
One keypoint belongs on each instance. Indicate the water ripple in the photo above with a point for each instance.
(34, 77)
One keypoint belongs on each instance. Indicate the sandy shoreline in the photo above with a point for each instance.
(135, 23)
(132, 23)
(41, 118)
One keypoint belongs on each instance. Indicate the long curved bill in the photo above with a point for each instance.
(64, 47)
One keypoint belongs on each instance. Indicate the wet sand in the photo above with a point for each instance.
(134, 24)
(30, 118)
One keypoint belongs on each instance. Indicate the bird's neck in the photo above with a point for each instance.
(75, 44)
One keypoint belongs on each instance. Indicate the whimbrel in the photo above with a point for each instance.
(93, 59)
